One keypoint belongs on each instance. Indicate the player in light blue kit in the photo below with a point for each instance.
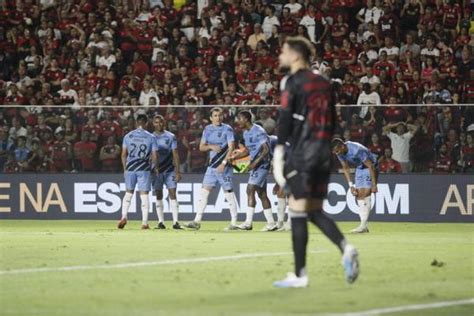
(257, 145)
(139, 153)
(169, 173)
(218, 140)
(352, 154)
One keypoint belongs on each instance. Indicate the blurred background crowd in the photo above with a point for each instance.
(91, 56)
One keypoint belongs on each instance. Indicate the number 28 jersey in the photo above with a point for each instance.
(139, 144)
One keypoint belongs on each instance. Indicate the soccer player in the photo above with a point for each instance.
(218, 140)
(138, 145)
(257, 145)
(358, 156)
(307, 121)
(169, 173)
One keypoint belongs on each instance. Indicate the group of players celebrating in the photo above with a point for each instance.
(300, 156)
(151, 160)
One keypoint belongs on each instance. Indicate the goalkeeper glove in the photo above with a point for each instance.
(278, 165)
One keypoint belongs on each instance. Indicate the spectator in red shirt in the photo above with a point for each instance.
(466, 158)
(387, 164)
(109, 126)
(94, 130)
(443, 163)
(196, 159)
(110, 155)
(140, 68)
(61, 154)
(384, 64)
(84, 152)
(375, 146)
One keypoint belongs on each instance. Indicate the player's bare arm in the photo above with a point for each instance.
(155, 159)
(265, 151)
(386, 129)
(203, 146)
(227, 157)
(412, 128)
(176, 164)
(347, 175)
(123, 157)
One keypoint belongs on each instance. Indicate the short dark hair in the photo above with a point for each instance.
(142, 118)
(246, 114)
(336, 142)
(302, 46)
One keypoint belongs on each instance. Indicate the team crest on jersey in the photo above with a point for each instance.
(219, 134)
(167, 141)
(251, 140)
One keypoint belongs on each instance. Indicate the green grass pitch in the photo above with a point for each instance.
(395, 260)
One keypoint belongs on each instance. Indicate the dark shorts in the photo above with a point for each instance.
(303, 185)
(308, 174)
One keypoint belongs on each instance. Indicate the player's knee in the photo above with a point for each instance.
(250, 190)
(159, 195)
(262, 194)
(228, 191)
(172, 194)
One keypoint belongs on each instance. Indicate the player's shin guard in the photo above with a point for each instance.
(281, 207)
(269, 216)
(328, 227)
(364, 211)
(230, 197)
(174, 206)
(127, 199)
(159, 211)
(299, 236)
(145, 208)
(201, 206)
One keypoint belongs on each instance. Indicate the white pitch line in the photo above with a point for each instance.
(406, 308)
(147, 263)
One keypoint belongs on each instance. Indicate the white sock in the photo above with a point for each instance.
(230, 197)
(174, 206)
(145, 208)
(201, 205)
(364, 210)
(159, 211)
(281, 207)
(249, 215)
(269, 216)
(368, 206)
(127, 199)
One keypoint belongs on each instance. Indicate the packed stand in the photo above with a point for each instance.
(151, 54)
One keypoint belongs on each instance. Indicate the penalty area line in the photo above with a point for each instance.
(147, 263)
(406, 308)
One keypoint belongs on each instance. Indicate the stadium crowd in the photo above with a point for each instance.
(154, 54)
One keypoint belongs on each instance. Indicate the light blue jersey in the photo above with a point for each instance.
(139, 144)
(254, 139)
(356, 155)
(166, 143)
(220, 135)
